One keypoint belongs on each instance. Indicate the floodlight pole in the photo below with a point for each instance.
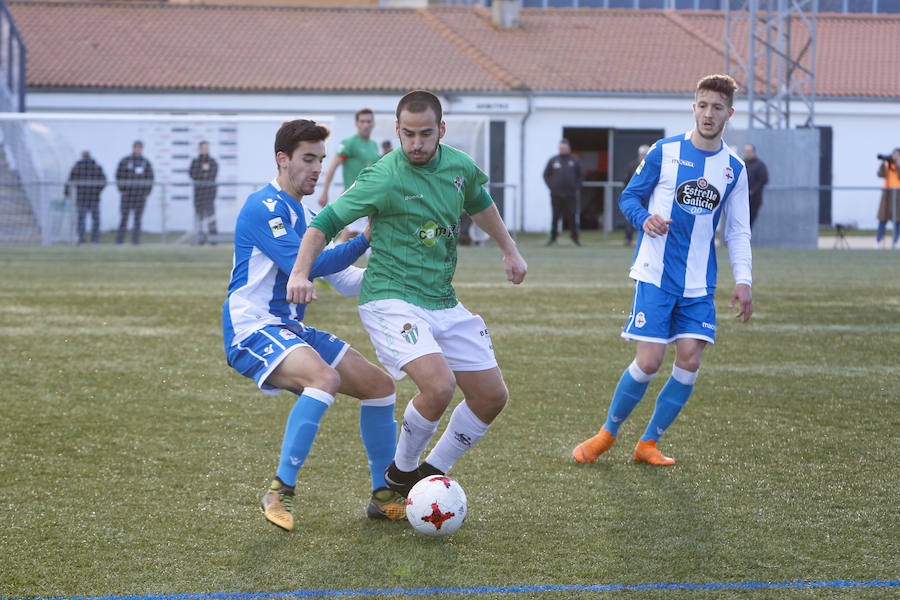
(781, 37)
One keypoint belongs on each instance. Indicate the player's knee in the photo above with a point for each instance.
(689, 363)
(499, 398)
(326, 379)
(440, 389)
(382, 385)
(649, 364)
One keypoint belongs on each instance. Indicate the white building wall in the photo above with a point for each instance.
(534, 125)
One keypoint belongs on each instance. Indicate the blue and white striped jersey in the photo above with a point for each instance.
(266, 240)
(691, 187)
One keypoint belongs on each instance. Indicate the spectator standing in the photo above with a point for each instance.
(88, 179)
(890, 197)
(564, 178)
(355, 154)
(757, 178)
(203, 172)
(386, 147)
(632, 167)
(134, 178)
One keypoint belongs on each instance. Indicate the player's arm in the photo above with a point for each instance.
(638, 190)
(737, 236)
(300, 288)
(347, 282)
(329, 175)
(488, 219)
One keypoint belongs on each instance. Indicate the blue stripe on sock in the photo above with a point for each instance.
(627, 395)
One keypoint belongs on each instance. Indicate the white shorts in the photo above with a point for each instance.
(402, 332)
(359, 225)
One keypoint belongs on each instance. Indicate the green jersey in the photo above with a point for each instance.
(415, 223)
(358, 154)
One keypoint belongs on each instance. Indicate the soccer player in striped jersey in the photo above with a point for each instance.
(266, 340)
(688, 180)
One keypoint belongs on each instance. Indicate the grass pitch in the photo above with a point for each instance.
(132, 458)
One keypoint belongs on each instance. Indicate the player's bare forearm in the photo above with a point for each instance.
(490, 222)
(743, 297)
(329, 175)
(300, 290)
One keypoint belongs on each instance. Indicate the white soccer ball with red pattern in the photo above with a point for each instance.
(436, 506)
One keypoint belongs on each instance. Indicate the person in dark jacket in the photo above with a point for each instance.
(134, 178)
(564, 178)
(203, 171)
(757, 178)
(88, 179)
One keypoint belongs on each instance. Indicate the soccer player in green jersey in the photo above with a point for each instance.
(355, 154)
(414, 199)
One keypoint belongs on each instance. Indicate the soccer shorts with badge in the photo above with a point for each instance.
(402, 332)
(257, 355)
(660, 317)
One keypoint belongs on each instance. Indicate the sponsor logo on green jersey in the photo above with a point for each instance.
(429, 233)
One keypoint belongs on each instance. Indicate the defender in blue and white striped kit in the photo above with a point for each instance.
(266, 339)
(689, 181)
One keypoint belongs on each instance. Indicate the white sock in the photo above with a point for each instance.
(415, 434)
(461, 434)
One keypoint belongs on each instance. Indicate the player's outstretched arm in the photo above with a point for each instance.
(329, 175)
(490, 222)
(743, 297)
(300, 290)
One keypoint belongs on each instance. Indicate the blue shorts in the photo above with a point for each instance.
(660, 317)
(257, 355)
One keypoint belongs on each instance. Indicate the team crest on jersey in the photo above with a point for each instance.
(410, 333)
(697, 197)
(729, 174)
(458, 183)
(640, 320)
(270, 204)
(287, 334)
(277, 227)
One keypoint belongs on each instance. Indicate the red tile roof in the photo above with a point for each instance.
(444, 48)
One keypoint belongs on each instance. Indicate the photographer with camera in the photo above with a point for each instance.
(890, 197)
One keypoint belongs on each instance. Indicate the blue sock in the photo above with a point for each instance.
(300, 431)
(669, 403)
(629, 391)
(882, 229)
(378, 429)
(896, 231)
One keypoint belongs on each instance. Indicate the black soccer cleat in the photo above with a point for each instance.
(401, 481)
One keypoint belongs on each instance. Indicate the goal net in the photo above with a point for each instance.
(40, 199)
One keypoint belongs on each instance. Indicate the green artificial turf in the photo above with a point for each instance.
(132, 458)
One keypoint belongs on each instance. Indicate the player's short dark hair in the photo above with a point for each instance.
(724, 84)
(364, 111)
(418, 101)
(293, 132)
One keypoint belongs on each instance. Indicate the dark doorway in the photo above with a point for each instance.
(591, 145)
(625, 143)
(607, 155)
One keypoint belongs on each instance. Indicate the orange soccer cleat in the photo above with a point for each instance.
(647, 452)
(588, 450)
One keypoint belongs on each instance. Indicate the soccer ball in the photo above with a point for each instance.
(436, 506)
